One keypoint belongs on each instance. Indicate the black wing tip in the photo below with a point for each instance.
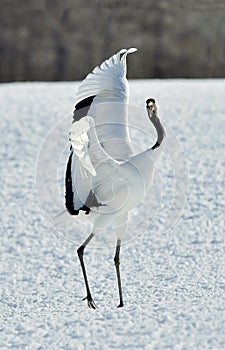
(85, 102)
(69, 192)
(82, 108)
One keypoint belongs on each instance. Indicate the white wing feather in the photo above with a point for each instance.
(86, 146)
(79, 140)
(110, 87)
(107, 80)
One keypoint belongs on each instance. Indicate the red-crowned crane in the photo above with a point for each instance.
(104, 178)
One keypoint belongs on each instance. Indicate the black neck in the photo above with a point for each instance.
(159, 128)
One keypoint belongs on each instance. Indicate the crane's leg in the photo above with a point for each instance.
(80, 252)
(117, 264)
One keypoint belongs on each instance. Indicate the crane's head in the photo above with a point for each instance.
(151, 107)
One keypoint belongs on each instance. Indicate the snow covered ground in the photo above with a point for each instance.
(173, 279)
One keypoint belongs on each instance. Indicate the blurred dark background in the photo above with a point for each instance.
(53, 40)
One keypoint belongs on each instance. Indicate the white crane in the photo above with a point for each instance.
(104, 178)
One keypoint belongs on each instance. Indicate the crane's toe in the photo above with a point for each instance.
(90, 302)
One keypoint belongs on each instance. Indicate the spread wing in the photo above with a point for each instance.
(103, 94)
(107, 81)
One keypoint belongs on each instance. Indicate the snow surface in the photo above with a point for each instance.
(173, 279)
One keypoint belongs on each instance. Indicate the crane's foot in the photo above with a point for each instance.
(90, 302)
(120, 304)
